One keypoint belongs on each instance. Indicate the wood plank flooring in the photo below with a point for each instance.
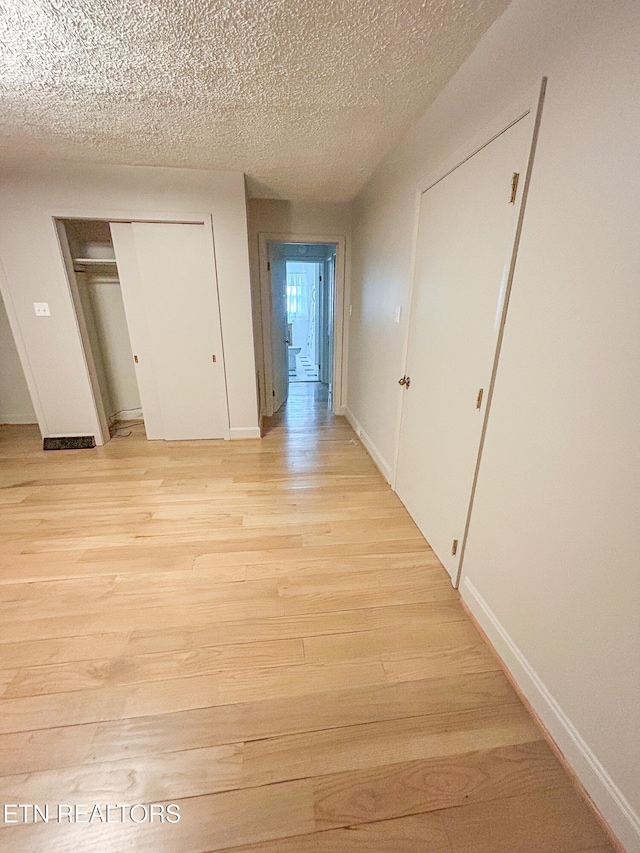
(257, 632)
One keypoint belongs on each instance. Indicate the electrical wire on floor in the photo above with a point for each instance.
(117, 432)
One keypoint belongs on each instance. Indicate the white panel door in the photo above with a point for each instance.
(169, 288)
(137, 324)
(465, 240)
(279, 328)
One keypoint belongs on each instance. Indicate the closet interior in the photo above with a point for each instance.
(97, 295)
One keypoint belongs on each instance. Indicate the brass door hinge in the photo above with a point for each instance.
(135, 358)
(454, 547)
(514, 187)
(268, 266)
(479, 398)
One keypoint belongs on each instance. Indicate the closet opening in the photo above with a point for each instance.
(92, 271)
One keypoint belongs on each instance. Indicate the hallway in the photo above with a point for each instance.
(257, 632)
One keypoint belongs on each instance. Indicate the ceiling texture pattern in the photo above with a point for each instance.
(304, 97)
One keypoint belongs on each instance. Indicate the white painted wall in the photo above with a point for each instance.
(551, 568)
(32, 194)
(309, 218)
(15, 401)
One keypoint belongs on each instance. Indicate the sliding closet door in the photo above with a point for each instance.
(465, 241)
(167, 274)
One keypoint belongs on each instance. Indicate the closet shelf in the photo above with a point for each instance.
(96, 261)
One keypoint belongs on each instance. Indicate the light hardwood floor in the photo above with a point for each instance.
(257, 632)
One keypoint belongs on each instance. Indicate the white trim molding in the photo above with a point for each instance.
(244, 432)
(380, 462)
(605, 794)
(128, 415)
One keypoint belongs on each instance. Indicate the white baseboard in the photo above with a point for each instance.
(607, 797)
(381, 463)
(129, 414)
(70, 435)
(244, 432)
(18, 419)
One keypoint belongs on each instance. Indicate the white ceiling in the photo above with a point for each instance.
(305, 97)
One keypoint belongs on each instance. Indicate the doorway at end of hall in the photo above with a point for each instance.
(303, 295)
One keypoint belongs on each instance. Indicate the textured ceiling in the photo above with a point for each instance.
(305, 97)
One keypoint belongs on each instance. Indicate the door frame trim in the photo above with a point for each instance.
(339, 324)
(531, 102)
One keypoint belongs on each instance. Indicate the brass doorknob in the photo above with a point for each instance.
(406, 381)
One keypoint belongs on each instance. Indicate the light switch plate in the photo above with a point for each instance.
(41, 309)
